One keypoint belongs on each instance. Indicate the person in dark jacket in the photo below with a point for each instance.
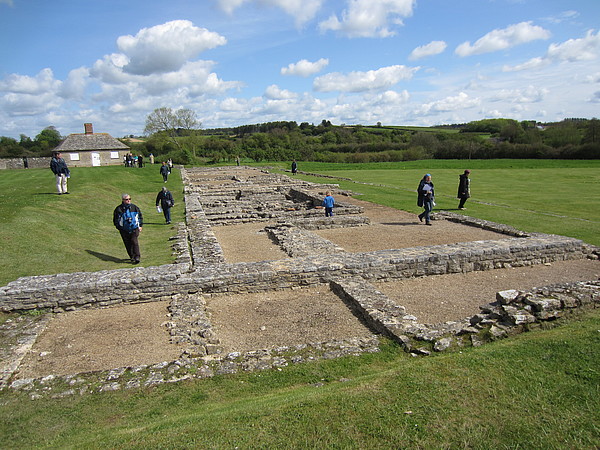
(464, 188)
(165, 199)
(127, 218)
(426, 195)
(165, 171)
(61, 171)
(294, 167)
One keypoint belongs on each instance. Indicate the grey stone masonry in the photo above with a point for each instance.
(81, 290)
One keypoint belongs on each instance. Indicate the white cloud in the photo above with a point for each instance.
(573, 50)
(584, 49)
(22, 84)
(369, 18)
(28, 104)
(364, 81)
(301, 10)
(502, 39)
(75, 84)
(562, 17)
(431, 49)
(165, 48)
(273, 92)
(530, 94)
(453, 103)
(305, 68)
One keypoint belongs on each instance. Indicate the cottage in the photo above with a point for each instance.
(92, 149)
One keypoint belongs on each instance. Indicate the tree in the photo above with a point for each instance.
(166, 120)
(48, 138)
(592, 133)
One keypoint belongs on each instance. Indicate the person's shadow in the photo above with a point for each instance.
(105, 257)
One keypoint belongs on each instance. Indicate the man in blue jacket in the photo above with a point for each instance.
(60, 169)
(128, 219)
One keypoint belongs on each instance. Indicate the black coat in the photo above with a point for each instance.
(165, 199)
(463, 186)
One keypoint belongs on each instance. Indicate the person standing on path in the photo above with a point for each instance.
(464, 188)
(426, 195)
(61, 171)
(127, 218)
(165, 198)
(328, 203)
(164, 171)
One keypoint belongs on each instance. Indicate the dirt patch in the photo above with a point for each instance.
(99, 339)
(441, 298)
(282, 318)
(247, 242)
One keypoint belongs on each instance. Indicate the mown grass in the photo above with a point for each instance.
(536, 390)
(44, 233)
(548, 196)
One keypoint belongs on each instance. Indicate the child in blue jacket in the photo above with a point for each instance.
(328, 203)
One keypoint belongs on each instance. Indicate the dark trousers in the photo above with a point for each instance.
(131, 243)
(463, 200)
(167, 213)
(328, 212)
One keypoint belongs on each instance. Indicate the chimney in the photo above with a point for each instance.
(89, 129)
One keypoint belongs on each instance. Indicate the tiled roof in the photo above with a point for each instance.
(95, 141)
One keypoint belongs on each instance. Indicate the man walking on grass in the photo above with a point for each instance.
(128, 219)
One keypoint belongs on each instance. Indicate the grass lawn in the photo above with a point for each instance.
(536, 390)
(45, 233)
(549, 196)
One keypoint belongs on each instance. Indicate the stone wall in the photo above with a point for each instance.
(19, 163)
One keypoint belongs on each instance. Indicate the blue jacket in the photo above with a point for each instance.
(127, 217)
(328, 202)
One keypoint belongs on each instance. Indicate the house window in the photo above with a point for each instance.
(74, 156)
(114, 155)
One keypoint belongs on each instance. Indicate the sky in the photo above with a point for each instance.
(235, 62)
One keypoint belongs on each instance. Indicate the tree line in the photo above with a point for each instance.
(178, 135)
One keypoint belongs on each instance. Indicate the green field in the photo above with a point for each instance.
(44, 233)
(536, 390)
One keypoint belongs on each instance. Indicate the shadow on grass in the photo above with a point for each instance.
(105, 257)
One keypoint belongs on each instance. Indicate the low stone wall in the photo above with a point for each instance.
(19, 163)
(83, 290)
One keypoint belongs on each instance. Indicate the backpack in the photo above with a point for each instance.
(129, 220)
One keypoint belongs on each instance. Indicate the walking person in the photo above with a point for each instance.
(464, 188)
(127, 218)
(328, 203)
(294, 167)
(140, 161)
(151, 158)
(426, 198)
(165, 199)
(164, 171)
(61, 171)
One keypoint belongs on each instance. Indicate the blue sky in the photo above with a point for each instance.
(236, 62)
